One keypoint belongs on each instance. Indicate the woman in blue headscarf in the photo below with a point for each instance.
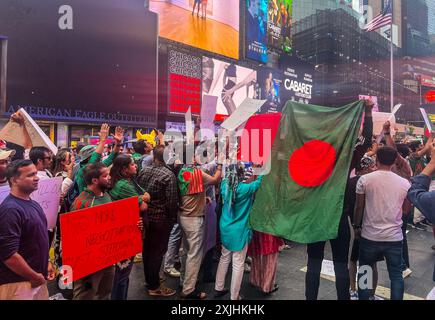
(238, 197)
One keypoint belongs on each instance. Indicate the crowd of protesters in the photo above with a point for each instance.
(191, 214)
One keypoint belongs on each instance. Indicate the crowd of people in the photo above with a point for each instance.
(191, 214)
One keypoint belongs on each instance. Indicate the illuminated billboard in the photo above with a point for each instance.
(279, 23)
(89, 61)
(229, 83)
(211, 25)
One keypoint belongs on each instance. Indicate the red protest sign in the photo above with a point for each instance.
(256, 142)
(95, 238)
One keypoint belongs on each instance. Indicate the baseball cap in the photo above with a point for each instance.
(86, 152)
(4, 154)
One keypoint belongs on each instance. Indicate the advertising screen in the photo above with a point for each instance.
(279, 23)
(229, 83)
(297, 80)
(184, 82)
(270, 83)
(91, 61)
(211, 25)
(256, 30)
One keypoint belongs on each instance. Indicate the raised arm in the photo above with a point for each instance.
(19, 118)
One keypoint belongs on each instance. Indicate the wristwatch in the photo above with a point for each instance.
(387, 133)
(355, 226)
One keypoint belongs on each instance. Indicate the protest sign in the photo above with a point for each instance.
(247, 108)
(12, 132)
(190, 127)
(47, 195)
(97, 237)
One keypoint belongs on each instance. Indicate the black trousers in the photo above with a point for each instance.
(340, 254)
(155, 244)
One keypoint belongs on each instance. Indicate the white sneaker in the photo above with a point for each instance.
(247, 268)
(172, 272)
(353, 295)
(406, 273)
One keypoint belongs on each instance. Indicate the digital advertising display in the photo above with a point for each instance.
(228, 83)
(297, 80)
(256, 30)
(270, 83)
(211, 25)
(184, 82)
(279, 23)
(90, 61)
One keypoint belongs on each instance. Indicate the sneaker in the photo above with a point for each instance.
(426, 223)
(172, 272)
(162, 291)
(406, 273)
(219, 294)
(353, 295)
(375, 297)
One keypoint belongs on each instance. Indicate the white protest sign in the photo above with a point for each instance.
(47, 195)
(208, 113)
(247, 109)
(190, 135)
(427, 122)
(379, 118)
(12, 132)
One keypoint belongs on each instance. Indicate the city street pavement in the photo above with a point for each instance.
(291, 275)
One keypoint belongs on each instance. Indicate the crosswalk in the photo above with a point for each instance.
(327, 273)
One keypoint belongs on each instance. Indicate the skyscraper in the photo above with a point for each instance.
(431, 16)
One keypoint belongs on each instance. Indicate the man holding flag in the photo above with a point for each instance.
(302, 197)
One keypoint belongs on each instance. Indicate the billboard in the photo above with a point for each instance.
(211, 25)
(297, 80)
(279, 23)
(229, 83)
(256, 30)
(90, 61)
(184, 82)
(270, 82)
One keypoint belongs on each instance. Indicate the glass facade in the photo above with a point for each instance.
(351, 62)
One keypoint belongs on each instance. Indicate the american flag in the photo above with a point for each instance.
(383, 19)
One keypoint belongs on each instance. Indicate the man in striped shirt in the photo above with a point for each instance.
(96, 286)
(192, 182)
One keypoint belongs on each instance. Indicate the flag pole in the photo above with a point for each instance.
(391, 61)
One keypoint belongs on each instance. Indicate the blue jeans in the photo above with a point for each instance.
(121, 280)
(372, 251)
(171, 256)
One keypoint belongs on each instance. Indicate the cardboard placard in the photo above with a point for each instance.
(95, 238)
(12, 132)
(47, 195)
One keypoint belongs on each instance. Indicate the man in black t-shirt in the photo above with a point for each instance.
(24, 246)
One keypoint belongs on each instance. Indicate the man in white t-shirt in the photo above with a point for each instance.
(380, 204)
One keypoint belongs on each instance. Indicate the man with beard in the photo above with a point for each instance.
(24, 266)
(96, 286)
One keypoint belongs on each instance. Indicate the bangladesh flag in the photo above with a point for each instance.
(190, 181)
(301, 199)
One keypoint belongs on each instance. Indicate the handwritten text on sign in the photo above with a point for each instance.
(95, 238)
(47, 195)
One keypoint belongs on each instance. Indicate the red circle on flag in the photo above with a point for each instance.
(187, 176)
(312, 164)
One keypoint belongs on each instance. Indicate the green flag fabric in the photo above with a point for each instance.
(301, 199)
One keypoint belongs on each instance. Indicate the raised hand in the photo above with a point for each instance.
(119, 135)
(18, 118)
(387, 126)
(104, 132)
